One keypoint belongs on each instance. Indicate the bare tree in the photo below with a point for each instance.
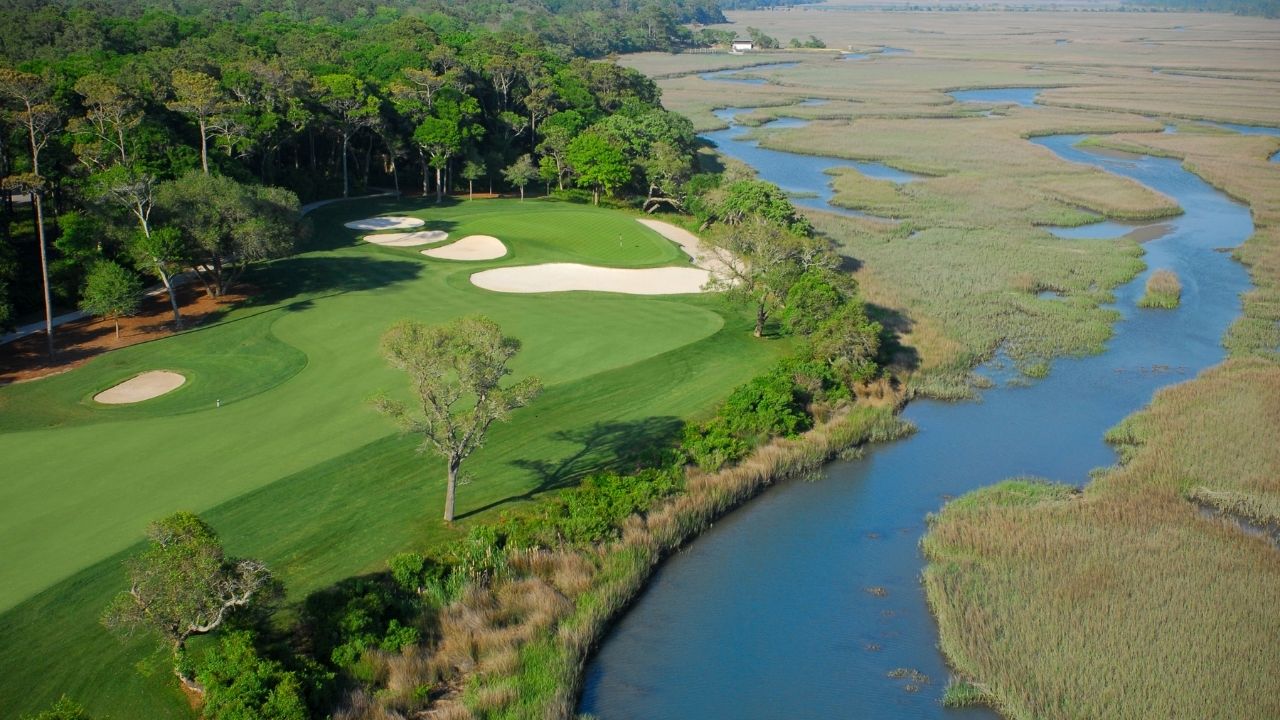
(183, 585)
(456, 371)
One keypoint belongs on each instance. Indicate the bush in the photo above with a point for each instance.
(593, 511)
(240, 685)
(1164, 290)
(814, 298)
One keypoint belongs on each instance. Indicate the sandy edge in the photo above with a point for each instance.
(386, 222)
(148, 385)
(703, 256)
(566, 277)
(411, 239)
(471, 247)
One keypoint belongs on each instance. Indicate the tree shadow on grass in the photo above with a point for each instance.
(308, 277)
(623, 446)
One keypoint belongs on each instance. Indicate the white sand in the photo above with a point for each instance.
(413, 239)
(561, 277)
(703, 256)
(388, 222)
(141, 387)
(471, 247)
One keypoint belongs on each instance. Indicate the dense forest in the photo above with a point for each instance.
(112, 110)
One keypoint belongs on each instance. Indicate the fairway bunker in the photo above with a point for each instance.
(565, 277)
(389, 222)
(413, 239)
(141, 387)
(471, 247)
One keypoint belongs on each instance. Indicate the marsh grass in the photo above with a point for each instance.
(515, 647)
(1125, 601)
(1164, 290)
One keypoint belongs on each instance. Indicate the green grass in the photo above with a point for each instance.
(297, 468)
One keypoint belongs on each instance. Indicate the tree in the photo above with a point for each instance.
(521, 173)
(198, 95)
(747, 199)
(40, 120)
(762, 261)
(110, 291)
(109, 113)
(456, 371)
(352, 107)
(158, 251)
(817, 295)
(472, 170)
(64, 709)
(599, 164)
(225, 225)
(183, 585)
(849, 342)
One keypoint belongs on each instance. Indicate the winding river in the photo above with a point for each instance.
(804, 602)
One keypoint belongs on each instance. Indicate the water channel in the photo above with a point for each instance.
(801, 603)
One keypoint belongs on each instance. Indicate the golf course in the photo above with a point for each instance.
(273, 439)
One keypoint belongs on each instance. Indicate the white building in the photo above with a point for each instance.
(741, 46)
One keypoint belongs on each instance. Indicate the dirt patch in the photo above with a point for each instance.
(76, 342)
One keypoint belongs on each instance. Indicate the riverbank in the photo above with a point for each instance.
(544, 678)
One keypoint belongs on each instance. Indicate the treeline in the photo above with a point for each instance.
(1262, 8)
(322, 108)
(39, 29)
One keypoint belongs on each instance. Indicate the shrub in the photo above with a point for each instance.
(814, 298)
(240, 685)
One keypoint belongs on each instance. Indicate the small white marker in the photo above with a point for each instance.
(219, 402)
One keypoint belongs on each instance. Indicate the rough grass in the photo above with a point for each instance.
(304, 474)
(1164, 290)
(1125, 601)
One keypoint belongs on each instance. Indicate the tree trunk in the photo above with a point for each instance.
(345, 139)
(179, 651)
(439, 187)
(44, 269)
(395, 176)
(173, 298)
(521, 193)
(426, 177)
(595, 196)
(451, 490)
(117, 321)
(761, 316)
(204, 147)
(471, 189)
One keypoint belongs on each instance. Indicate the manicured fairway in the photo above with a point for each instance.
(295, 467)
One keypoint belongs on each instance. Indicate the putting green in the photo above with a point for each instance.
(295, 466)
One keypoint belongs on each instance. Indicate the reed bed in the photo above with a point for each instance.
(1164, 290)
(1125, 600)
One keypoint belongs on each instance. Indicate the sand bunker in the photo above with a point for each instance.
(471, 247)
(703, 256)
(561, 277)
(413, 239)
(141, 387)
(389, 222)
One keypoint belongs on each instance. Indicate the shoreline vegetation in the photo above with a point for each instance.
(1048, 563)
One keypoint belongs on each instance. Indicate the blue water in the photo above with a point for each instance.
(1112, 229)
(1026, 97)
(733, 74)
(894, 51)
(798, 174)
(854, 56)
(768, 614)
